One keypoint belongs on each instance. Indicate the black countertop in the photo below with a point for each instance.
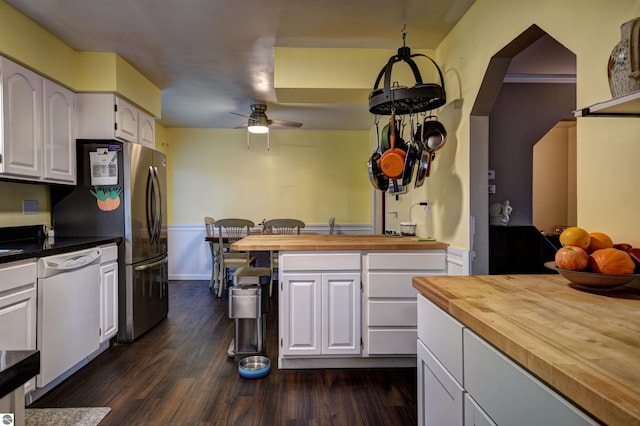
(29, 241)
(16, 368)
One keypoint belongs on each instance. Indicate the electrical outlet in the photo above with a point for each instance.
(492, 189)
(30, 206)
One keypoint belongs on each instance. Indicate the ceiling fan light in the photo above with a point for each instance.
(258, 129)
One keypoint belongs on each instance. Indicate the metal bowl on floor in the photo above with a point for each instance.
(254, 367)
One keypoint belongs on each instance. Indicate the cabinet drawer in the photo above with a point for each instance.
(440, 395)
(474, 415)
(392, 342)
(391, 284)
(109, 253)
(320, 262)
(18, 274)
(421, 261)
(442, 334)
(500, 386)
(395, 313)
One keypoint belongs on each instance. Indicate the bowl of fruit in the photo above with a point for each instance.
(593, 261)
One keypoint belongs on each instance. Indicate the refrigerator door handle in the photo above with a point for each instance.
(151, 265)
(151, 224)
(158, 205)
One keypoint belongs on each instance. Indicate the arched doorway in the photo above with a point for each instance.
(529, 86)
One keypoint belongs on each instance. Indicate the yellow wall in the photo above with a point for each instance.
(11, 196)
(607, 148)
(310, 175)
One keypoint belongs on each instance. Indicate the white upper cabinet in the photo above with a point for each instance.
(22, 121)
(59, 133)
(107, 116)
(38, 121)
(146, 130)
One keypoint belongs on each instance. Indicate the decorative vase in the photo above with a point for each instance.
(624, 62)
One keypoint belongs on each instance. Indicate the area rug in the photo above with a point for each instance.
(89, 416)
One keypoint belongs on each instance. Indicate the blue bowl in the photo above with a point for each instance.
(254, 367)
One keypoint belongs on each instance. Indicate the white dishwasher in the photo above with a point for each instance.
(68, 311)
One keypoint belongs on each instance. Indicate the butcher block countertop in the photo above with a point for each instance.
(584, 344)
(334, 242)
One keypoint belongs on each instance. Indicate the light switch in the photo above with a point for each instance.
(492, 174)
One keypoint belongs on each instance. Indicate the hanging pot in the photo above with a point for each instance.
(392, 161)
(379, 180)
(432, 134)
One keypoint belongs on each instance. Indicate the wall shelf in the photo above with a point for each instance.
(623, 106)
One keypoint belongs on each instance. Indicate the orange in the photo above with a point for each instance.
(575, 236)
(599, 240)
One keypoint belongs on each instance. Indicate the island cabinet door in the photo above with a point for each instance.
(440, 396)
(300, 314)
(341, 302)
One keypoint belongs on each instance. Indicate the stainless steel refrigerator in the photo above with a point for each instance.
(121, 191)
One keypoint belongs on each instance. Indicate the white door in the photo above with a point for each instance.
(22, 113)
(59, 133)
(341, 319)
(300, 317)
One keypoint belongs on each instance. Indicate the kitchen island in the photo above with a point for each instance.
(580, 346)
(346, 301)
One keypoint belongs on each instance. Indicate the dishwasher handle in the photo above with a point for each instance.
(68, 262)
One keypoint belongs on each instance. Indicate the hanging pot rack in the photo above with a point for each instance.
(421, 97)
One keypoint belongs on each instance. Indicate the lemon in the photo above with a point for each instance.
(575, 236)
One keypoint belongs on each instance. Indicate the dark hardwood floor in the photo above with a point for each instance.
(179, 374)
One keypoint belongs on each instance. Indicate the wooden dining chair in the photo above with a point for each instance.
(209, 224)
(230, 231)
(280, 227)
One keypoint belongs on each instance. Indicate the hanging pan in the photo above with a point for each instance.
(413, 156)
(392, 160)
(379, 180)
(431, 133)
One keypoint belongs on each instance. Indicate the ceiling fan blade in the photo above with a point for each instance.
(241, 126)
(284, 123)
(241, 115)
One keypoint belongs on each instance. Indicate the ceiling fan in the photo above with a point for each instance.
(259, 122)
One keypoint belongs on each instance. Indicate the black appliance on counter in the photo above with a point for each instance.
(121, 192)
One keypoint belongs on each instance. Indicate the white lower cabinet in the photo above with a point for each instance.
(320, 304)
(321, 314)
(18, 294)
(109, 292)
(440, 394)
(390, 320)
(463, 380)
(508, 393)
(473, 414)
